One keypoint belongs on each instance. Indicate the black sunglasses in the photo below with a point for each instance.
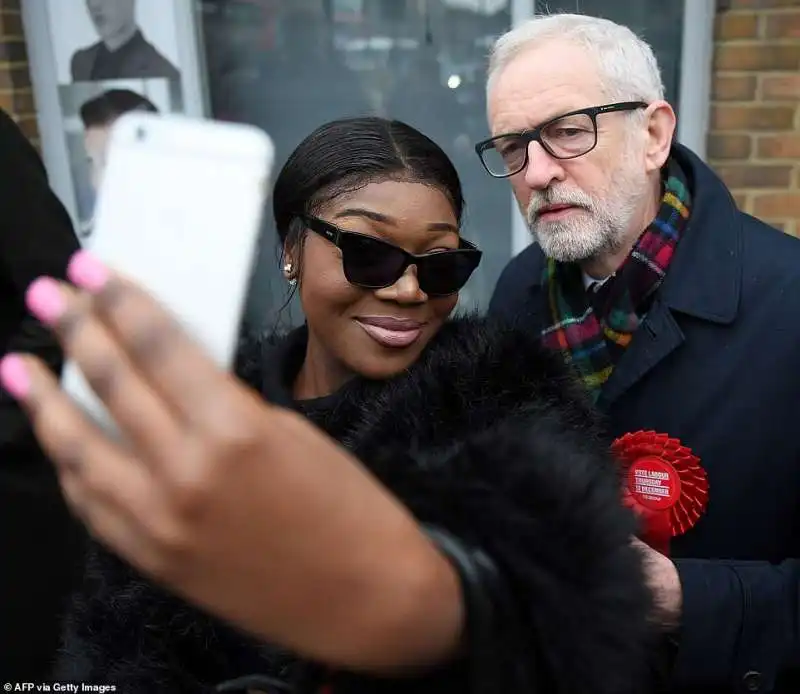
(373, 263)
(567, 136)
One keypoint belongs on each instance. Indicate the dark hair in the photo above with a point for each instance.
(107, 107)
(347, 154)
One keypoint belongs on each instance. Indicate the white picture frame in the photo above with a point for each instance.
(82, 50)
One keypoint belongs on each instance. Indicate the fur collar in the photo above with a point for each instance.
(475, 373)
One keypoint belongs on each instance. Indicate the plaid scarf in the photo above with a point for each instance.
(589, 335)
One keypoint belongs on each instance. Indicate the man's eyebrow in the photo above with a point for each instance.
(539, 123)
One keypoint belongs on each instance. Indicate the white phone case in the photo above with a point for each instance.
(179, 211)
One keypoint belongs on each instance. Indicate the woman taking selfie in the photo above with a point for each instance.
(465, 536)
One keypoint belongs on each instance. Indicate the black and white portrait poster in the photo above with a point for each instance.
(101, 40)
(102, 59)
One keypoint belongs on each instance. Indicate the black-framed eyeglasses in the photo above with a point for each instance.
(373, 263)
(568, 136)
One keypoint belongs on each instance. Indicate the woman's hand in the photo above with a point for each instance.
(239, 506)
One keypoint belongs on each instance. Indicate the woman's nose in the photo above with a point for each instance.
(406, 290)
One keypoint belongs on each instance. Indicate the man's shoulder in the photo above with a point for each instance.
(519, 279)
(524, 269)
(769, 256)
(86, 51)
(765, 253)
(82, 61)
(766, 236)
(156, 62)
(768, 281)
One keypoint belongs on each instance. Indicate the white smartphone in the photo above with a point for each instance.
(179, 211)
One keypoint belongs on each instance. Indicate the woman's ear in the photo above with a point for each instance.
(290, 269)
(290, 272)
(292, 253)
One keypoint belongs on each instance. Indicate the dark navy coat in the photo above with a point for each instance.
(716, 364)
(40, 541)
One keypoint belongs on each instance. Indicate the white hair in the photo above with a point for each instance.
(627, 66)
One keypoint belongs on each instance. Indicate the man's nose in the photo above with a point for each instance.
(543, 168)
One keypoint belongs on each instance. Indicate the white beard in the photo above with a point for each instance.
(601, 224)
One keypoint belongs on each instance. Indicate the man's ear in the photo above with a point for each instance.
(661, 122)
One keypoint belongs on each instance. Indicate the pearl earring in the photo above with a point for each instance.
(287, 270)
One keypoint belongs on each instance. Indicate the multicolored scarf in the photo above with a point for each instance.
(589, 333)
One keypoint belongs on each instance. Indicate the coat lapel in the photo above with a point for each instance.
(655, 340)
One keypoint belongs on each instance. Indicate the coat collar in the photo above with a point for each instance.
(705, 279)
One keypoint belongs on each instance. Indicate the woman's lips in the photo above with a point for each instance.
(391, 332)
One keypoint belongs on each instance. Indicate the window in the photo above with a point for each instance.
(659, 23)
(290, 66)
(303, 63)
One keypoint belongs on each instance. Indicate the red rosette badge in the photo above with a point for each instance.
(664, 484)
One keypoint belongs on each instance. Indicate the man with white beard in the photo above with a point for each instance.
(681, 314)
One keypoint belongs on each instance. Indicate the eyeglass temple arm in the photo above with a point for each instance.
(329, 231)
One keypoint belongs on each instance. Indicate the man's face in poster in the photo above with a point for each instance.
(112, 18)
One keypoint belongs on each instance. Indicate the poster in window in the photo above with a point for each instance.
(107, 58)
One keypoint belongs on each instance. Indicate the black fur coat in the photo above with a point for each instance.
(485, 436)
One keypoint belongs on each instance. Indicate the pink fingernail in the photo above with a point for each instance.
(45, 300)
(14, 376)
(87, 272)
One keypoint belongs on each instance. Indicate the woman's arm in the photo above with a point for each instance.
(354, 581)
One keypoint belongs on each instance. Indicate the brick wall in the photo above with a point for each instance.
(16, 96)
(754, 141)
